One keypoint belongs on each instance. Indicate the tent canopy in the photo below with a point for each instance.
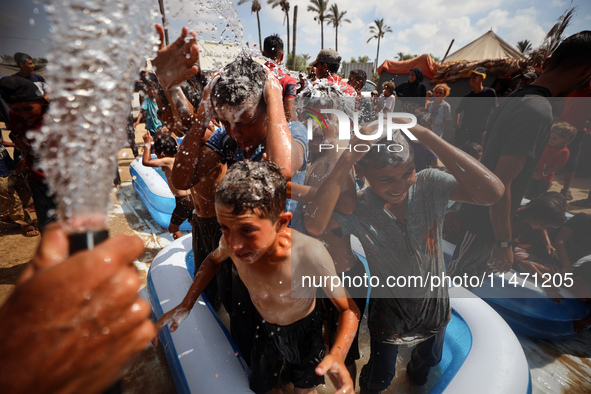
(487, 46)
(424, 62)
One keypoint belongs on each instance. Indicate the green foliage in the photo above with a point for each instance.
(301, 61)
(360, 59)
(9, 59)
(524, 47)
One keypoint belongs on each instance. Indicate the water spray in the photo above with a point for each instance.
(97, 49)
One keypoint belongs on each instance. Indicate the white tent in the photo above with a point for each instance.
(488, 46)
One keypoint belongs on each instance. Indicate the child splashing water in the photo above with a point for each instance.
(270, 257)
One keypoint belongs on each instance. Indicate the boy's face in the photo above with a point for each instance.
(475, 80)
(246, 124)
(31, 111)
(556, 140)
(391, 183)
(152, 93)
(27, 66)
(247, 235)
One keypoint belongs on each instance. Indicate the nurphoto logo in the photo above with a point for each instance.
(345, 122)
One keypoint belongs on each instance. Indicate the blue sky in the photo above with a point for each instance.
(420, 26)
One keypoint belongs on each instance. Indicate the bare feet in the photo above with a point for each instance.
(30, 231)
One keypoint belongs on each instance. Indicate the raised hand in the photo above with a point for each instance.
(175, 63)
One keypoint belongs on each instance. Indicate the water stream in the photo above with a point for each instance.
(97, 49)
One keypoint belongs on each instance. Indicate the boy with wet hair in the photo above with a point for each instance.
(166, 149)
(253, 129)
(398, 220)
(270, 258)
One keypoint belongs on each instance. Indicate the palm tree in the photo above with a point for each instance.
(379, 29)
(336, 18)
(306, 57)
(553, 38)
(524, 47)
(256, 7)
(320, 7)
(284, 4)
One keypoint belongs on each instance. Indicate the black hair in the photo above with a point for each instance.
(273, 46)
(333, 67)
(359, 74)
(152, 84)
(549, 207)
(240, 80)
(472, 148)
(257, 186)
(165, 145)
(21, 57)
(575, 50)
(379, 156)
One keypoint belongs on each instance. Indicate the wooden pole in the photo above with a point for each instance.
(295, 24)
(450, 44)
(161, 3)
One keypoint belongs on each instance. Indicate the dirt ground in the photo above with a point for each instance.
(149, 373)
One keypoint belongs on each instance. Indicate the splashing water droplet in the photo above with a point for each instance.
(102, 53)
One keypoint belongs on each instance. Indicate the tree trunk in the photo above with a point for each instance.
(295, 27)
(287, 18)
(336, 38)
(164, 23)
(260, 39)
(321, 34)
(375, 67)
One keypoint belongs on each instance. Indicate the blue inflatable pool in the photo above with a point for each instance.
(526, 307)
(481, 354)
(151, 185)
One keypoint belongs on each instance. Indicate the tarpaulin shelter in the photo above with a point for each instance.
(500, 60)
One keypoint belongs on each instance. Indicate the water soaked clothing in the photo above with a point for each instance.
(404, 247)
(183, 210)
(291, 353)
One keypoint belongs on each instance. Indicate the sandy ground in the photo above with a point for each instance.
(570, 361)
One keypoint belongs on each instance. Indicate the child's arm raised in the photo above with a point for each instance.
(318, 216)
(279, 146)
(147, 160)
(171, 73)
(175, 63)
(476, 183)
(210, 266)
(320, 209)
(195, 160)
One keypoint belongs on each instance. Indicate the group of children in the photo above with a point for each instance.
(284, 208)
(277, 197)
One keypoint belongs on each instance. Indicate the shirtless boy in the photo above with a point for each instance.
(166, 149)
(250, 203)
